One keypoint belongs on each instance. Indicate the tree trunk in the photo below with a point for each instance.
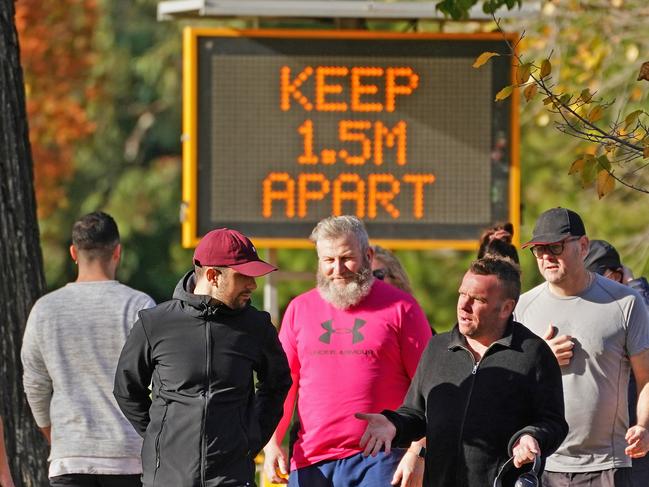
(21, 265)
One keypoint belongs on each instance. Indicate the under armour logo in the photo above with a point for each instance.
(357, 336)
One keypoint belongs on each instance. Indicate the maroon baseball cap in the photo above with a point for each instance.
(224, 247)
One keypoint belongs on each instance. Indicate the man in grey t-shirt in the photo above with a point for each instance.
(599, 332)
(72, 342)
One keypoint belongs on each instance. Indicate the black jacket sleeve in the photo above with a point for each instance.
(549, 427)
(273, 383)
(133, 377)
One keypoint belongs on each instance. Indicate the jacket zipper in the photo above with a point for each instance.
(474, 371)
(157, 443)
(244, 430)
(205, 397)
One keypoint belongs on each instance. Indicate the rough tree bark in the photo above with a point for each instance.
(21, 265)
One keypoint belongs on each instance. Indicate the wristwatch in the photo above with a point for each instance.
(421, 453)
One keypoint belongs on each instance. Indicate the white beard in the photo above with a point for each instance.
(344, 296)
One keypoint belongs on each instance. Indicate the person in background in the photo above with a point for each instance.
(5, 472)
(203, 377)
(599, 332)
(499, 248)
(487, 390)
(604, 259)
(497, 241)
(353, 344)
(386, 266)
(70, 349)
(502, 231)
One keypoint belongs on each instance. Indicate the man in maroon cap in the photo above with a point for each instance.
(185, 378)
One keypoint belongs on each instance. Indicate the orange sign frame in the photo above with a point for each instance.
(189, 214)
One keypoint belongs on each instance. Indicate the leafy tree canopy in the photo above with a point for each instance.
(124, 155)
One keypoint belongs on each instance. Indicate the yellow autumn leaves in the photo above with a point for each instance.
(523, 73)
(619, 141)
(594, 170)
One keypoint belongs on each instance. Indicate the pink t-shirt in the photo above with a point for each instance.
(343, 362)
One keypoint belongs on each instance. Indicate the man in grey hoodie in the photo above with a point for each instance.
(70, 350)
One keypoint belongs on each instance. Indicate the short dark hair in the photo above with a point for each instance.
(200, 270)
(507, 272)
(96, 235)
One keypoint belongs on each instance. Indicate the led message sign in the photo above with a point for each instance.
(284, 128)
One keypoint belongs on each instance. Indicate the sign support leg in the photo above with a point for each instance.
(271, 304)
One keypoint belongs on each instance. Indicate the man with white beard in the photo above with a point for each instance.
(353, 342)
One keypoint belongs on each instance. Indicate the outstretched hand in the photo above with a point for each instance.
(378, 435)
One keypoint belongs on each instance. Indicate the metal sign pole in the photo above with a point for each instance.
(271, 304)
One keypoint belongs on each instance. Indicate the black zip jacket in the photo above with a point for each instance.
(473, 413)
(203, 421)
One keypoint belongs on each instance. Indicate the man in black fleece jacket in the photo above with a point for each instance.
(487, 390)
(205, 418)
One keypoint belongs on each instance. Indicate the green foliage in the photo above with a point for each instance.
(459, 9)
(131, 166)
(300, 261)
(588, 119)
(146, 222)
(435, 278)
(595, 56)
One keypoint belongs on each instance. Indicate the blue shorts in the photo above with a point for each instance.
(354, 471)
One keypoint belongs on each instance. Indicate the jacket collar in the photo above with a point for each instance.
(201, 304)
(458, 340)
